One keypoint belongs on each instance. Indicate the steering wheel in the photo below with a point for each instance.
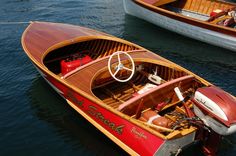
(120, 66)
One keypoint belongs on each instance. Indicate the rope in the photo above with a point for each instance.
(9, 23)
(178, 152)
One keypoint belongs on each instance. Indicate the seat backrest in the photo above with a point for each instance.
(156, 95)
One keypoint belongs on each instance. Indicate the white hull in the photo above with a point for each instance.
(182, 28)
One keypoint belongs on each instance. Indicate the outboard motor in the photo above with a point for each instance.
(216, 108)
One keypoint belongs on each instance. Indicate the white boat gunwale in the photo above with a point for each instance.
(185, 19)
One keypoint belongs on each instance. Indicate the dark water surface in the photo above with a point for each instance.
(34, 120)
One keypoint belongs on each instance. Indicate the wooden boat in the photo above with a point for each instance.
(144, 103)
(210, 21)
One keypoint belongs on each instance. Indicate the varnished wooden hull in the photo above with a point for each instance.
(200, 30)
(41, 38)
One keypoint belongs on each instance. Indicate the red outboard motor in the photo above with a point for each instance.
(217, 110)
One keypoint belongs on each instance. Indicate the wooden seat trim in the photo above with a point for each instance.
(160, 87)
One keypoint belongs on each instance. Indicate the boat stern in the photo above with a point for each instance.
(175, 146)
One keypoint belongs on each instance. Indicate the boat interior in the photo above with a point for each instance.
(149, 94)
(215, 12)
(93, 49)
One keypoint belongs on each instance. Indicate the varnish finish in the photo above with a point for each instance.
(145, 115)
(42, 36)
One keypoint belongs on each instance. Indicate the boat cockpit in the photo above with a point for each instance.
(128, 79)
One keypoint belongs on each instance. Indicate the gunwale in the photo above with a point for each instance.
(186, 19)
(39, 64)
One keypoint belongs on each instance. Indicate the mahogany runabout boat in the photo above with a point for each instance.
(210, 21)
(144, 103)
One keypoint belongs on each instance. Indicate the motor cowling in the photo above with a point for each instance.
(216, 108)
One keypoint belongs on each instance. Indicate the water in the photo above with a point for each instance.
(34, 120)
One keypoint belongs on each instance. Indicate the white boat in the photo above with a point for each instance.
(210, 21)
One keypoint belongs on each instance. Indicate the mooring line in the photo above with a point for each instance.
(6, 23)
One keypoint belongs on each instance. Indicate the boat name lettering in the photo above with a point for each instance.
(94, 112)
(138, 134)
(72, 97)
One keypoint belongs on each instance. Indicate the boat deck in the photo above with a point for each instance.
(91, 70)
